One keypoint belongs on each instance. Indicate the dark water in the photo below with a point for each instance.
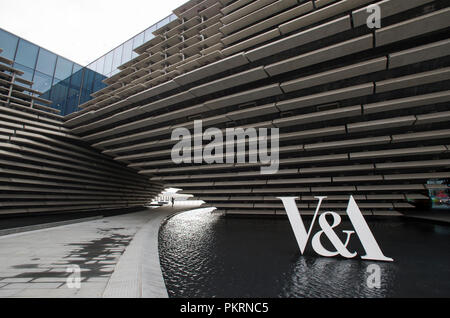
(205, 255)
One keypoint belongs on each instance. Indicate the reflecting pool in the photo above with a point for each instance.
(207, 255)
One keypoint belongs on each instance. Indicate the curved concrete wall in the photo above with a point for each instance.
(44, 167)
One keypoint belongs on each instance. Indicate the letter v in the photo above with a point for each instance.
(296, 220)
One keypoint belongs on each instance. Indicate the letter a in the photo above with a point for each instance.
(365, 234)
(374, 19)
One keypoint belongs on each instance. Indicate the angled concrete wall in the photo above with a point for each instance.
(44, 167)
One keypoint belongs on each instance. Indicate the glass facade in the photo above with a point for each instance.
(108, 64)
(65, 83)
(52, 74)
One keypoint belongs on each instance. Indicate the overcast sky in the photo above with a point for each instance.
(82, 30)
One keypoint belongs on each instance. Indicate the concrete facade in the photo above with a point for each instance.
(44, 167)
(361, 111)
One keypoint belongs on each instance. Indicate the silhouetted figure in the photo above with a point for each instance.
(173, 202)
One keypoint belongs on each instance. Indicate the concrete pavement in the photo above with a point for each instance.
(116, 256)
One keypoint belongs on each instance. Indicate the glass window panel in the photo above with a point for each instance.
(46, 62)
(77, 68)
(8, 42)
(59, 95)
(127, 51)
(149, 33)
(47, 95)
(76, 80)
(92, 66)
(100, 65)
(163, 22)
(28, 72)
(63, 68)
(117, 57)
(84, 98)
(88, 81)
(42, 82)
(98, 84)
(75, 89)
(108, 63)
(72, 101)
(27, 53)
(138, 40)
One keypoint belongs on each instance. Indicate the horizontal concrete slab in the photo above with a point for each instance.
(328, 53)
(295, 40)
(421, 25)
(327, 97)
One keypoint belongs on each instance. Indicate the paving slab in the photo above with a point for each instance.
(112, 257)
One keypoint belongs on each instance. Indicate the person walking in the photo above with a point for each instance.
(173, 202)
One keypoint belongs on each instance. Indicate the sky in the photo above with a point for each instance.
(82, 30)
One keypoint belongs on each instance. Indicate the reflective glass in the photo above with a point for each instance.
(108, 63)
(72, 84)
(8, 43)
(117, 57)
(149, 33)
(98, 84)
(100, 65)
(88, 81)
(163, 22)
(92, 66)
(59, 95)
(127, 51)
(77, 68)
(46, 62)
(72, 101)
(138, 40)
(27, 53)
(47, 95)
(76, 79)
(42, 82)
(63, 68)
(28, 72)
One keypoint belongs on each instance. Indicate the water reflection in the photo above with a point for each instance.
(322, 277)
(205, 255)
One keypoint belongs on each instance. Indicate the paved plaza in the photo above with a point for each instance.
(116, 257)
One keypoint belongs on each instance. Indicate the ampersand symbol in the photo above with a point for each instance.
(327, 229)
